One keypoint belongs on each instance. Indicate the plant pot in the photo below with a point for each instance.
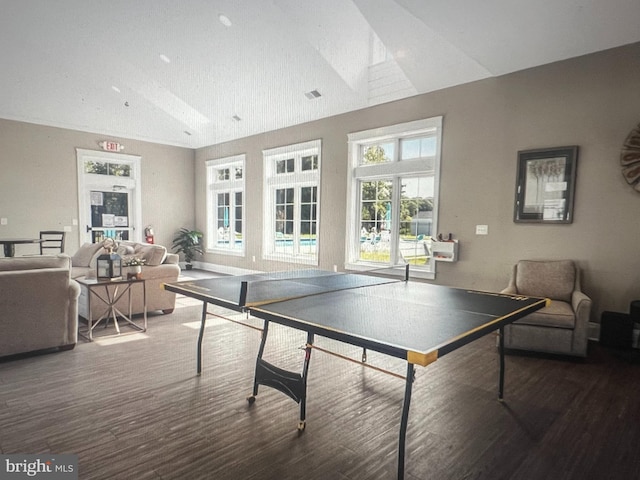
(135, 271)
(188, 266)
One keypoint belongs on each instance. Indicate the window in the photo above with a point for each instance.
(292, 179)
(393, 196)
(225, 205)
(107, 168)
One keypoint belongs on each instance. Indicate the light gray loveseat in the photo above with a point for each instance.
(38, 304)
(160, 267)
(561, 327)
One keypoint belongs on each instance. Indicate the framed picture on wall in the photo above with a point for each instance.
(545, 185)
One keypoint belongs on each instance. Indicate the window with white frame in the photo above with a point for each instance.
(393, 196)
(225, 205)
(291, 204)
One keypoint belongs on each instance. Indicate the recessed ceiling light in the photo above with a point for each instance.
(164, 58)
(225, 20)
(115, 89)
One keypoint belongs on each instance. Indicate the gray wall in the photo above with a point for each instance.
(38, 182)
(592, 102)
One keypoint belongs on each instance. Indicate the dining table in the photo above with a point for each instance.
(9, 244)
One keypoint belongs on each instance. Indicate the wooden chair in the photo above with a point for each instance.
(52, 240)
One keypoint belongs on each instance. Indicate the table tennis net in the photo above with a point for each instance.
(282, 286)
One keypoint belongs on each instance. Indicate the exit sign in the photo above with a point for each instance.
(111, 146)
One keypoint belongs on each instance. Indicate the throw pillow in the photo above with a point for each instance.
(83, 256)
(153, 254)
(125, 250)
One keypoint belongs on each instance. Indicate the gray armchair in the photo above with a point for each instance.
(562, 326)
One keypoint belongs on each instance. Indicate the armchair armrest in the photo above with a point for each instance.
(511, 289)
(581, 305)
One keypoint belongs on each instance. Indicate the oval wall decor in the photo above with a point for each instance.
(630, 158)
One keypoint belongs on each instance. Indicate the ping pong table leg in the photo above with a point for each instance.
(501, 349)
(305, 371)
(263, 341)
(291, 384)
(405, 418)
(200, 338)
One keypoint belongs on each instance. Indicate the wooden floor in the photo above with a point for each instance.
(133, 408)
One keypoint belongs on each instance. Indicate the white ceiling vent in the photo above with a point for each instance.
(312, 94)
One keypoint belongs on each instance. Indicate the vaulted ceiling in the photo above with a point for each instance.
(198, 72)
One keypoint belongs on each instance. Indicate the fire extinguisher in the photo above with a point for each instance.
(148, 234)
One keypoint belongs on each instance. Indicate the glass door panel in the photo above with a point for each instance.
(109, 215)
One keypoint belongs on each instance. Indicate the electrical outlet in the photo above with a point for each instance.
(482, 229)
(3, 221)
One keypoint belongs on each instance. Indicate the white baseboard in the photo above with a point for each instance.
(225, 269)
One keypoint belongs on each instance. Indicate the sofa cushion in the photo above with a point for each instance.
(85, 254)
(125, 250)
(549, 279)
(153, 255)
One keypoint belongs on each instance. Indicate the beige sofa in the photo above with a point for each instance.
(38, 304)
(159, 267)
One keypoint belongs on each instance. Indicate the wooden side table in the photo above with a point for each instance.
(107, 293)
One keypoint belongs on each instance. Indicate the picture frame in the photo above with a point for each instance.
(545, 185)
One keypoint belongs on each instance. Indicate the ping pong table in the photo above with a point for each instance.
(414, 321)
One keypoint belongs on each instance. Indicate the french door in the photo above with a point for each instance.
(109, 196)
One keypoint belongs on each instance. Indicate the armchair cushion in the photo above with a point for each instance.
(551, 279)
(558, 314)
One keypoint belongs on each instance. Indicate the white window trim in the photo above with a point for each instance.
(297, 180)
(88, 181)
(385, 170)
(212, 166)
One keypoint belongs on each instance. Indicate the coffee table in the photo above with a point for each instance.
(107, 293)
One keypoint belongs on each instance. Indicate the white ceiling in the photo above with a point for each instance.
(60, 59)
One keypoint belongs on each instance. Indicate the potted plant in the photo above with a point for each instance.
(135, 267)
(188, 242)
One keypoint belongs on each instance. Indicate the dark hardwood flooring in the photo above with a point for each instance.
(136, 410)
